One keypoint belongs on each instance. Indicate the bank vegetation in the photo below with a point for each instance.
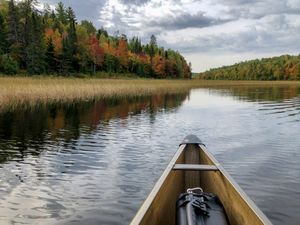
(29, 91)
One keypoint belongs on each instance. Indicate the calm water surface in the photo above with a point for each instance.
(94, 163)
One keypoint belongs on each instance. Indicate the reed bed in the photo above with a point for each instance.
(28, 91)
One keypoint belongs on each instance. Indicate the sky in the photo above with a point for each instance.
(208, 33)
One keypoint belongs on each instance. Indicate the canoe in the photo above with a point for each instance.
(194, 166)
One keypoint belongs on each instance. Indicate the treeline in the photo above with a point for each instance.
(284, 67)
(34, 41)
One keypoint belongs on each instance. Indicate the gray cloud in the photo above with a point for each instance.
(183, 20)
(276, 36)
(257, 9)
(135, 2)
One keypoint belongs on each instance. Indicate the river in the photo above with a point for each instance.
(95, 162)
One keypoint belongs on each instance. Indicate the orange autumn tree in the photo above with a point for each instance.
(96, 53)
(56, 39)
(122, 54)
(158, 66)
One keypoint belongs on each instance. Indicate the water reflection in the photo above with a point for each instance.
(26, 131)
(60, 164)
(258, 93)
(94, 162)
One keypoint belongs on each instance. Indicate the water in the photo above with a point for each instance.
(95, 162)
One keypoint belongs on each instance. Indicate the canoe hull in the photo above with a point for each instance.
(160, 206)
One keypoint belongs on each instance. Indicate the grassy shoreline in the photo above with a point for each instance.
(29, 91)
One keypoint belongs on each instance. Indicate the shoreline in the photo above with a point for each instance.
(30, 91)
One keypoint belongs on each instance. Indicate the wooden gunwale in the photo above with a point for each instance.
(147, 203)
(237, 188)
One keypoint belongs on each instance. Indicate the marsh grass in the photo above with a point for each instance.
(32, 91)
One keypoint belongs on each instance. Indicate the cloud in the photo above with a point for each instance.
(135, 2)
(258, 9)
(269, 34)
(182, 20)
(155, 17)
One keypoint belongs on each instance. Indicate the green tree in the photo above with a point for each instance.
(135, 45)
(102, 31)
(61, 13)
(152, 50)
(50, 57)
(71, 40)
(13, 23)
(8, 65)
(91, 30)
(65, 63)
(26, 9)
(152, 46)
(35, 57)
(13, 31)
(3, 36)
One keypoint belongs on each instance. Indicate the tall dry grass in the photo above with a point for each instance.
(25, 91)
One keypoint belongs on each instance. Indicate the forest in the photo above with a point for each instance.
(285, 67)
(37, 40)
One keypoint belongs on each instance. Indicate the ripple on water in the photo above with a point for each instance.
(84, 172)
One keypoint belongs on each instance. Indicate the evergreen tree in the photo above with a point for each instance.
(65, 58)
(50, 57)
(35, 57)
(91, 30)
(102, 31)
(152, 46)
(13, 23)
(13, 36)
(135, 45)
(61, 13)
(71, 40)
(3, 37)
(8, 65)
(26, 9)
(151, 49)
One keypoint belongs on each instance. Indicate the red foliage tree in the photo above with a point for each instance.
(96, 53)
(123, 54)
(158, 66)
(56, 39)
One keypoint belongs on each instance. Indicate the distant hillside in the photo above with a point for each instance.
(285, 67)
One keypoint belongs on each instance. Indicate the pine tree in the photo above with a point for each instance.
(65, 58)
(50, 57)
(153, 46)
(35, 57)
(102, 31)
(13, 23)
(152, 49)
(3, 37)
(72, 39)
(91, 30)
(26, 9)
(61, 13)
(13, 29)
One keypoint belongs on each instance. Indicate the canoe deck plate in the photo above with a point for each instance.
(191, 139)
(195, 167)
